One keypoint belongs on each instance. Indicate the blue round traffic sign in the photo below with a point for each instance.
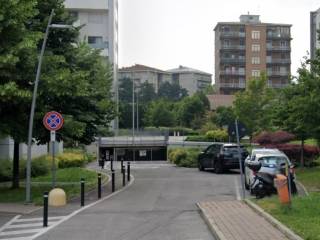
(53, 121)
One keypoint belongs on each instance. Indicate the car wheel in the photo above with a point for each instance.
(201, 168)
(218, 167)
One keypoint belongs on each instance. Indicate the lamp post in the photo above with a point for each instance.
(33, 104)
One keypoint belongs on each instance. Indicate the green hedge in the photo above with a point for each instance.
(71, 159)
(184, 157)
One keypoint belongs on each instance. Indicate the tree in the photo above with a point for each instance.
(159, 114)
(255, 105)
(75, 80)
(172, 92)
(191, 110)
(224, 116)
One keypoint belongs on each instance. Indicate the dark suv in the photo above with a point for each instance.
(221, 156)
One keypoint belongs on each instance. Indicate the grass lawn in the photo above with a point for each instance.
(68, 179)
(309, 141)
(303, 217)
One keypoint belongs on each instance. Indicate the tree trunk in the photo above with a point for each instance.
(15, 169)
(302, 153)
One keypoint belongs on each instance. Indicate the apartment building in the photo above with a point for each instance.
(191, 79)
(314, 35)
(99, 21)
(245, 49)
(141, 74)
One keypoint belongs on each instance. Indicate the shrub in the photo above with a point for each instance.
(277, 137)
(184, 157)
(67, 160)
(40, 166)
(293, 151)
(219, 134)
(5, 170)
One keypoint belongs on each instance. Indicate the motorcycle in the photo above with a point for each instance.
(263, 183)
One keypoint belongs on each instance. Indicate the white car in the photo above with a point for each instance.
(273, 161)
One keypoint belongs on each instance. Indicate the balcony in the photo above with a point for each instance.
(234, 73)
(278, 73)
(232, 60)
(233, 34)
(233, 47)
(278, 61)
(233, 85)
(277, 85)
(278, 48)
(277, 36)
(103, 45)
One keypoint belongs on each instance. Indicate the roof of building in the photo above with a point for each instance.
(184, 69)
(219, 100)
(140, 68)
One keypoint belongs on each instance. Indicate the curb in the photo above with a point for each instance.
(282, 228)
(303, 188)
(213, 228)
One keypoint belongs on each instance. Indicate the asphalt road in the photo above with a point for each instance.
(159, 205)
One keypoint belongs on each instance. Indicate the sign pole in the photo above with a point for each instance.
(240, 162)
(53, 143)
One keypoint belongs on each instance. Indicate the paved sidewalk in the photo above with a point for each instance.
(231, 220)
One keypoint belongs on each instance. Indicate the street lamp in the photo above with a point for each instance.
(33, 104)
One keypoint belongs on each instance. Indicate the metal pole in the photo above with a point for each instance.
(137, 112)
(128, 177)
(123, 175)
(54, 179)
(240, 161)
(99, 185)
(112, 180)
(82, 191)
(33, 106)
(45, 209)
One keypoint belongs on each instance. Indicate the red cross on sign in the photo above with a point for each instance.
(53, 121)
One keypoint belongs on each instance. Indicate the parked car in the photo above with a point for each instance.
(221, 156)
(273, 162)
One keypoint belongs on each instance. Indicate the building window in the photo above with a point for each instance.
(95, 40)
(95, 18)
(255, 73)
(255, 47)
(255, 34)
(255, 60)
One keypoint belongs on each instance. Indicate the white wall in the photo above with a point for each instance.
(7, 145)
(86, 4)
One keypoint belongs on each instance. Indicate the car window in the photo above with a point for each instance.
(233, 149)
(273, 160)
(210, 149)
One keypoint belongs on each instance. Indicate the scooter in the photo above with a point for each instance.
(262, 184)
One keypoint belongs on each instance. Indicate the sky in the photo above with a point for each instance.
(167, 33)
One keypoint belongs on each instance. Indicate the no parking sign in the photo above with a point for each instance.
(53, 121)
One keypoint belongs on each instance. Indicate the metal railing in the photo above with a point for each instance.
(277, 73)
(233, 85)
(279, 48)
(280, 61)
(233, 60)
(233, 47)
(233, 34)
(236, 72)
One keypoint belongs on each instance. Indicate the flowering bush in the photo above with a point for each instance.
(277, 137)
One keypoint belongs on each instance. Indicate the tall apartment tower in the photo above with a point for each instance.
(100, 29)
(245, 49)
(314, 35)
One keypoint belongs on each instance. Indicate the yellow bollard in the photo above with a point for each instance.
(57, 197)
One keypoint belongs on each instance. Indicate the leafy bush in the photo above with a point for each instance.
(184, 157)
(277, 137)
(40, 166)
(293, 151)
(70, 159)
(5, 170)
(219, 134)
